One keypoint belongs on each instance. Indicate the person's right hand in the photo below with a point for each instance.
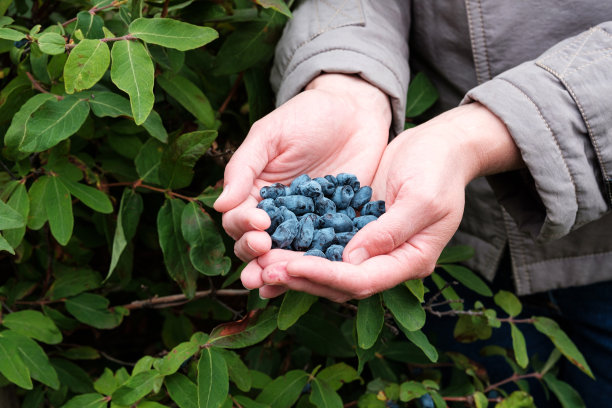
(339, 124)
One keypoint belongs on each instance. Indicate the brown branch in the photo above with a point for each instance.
(94, 10)
(126, 37)
(138, 183)
(169, 301)
(231, 93)
(515, 377)
(164, 12)
(35, 84)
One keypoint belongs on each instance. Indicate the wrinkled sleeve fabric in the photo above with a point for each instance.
(558, 109)
(364, 37)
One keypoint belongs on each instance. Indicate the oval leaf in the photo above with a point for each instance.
(422, 94)
(213, 379)
(508, 302)
(189, 96)
(32, 323)
(91, 400)
(567, 396)
(294, 305)
(258, 325)
(93, 310)
(11, 364)
(405, 307)
(182, 391)
(58, 206)
(323, 396)
(284, 391)
(172, 33)
(136, 387)
(176, 357)
(370, 320)
(86, 65)
(9, 218)
(91, 197)
(468, 279)
(520, 348)
(52, 43)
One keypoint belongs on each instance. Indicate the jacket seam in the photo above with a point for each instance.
(472, 40)
(554, 139)
(484, 40)
(568, 257)
(601, 57)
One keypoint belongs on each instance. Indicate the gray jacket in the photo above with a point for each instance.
(544, 67)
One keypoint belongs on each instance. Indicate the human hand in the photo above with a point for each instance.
(340, 123)
(422, 177)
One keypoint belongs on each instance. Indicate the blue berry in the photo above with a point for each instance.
(375, 208)
(338, 221)
(295, 184)
(273, 191)
(343, 196)
(285, 233)
(350, 211)
(310, 189)
(324, 205)
(285, 214)
(305, 234)
(327, 186)
(334, 252)
(298, 204)
(268, 206)
(348, 179)
(360, 222)
(323, 238)
(344, 237)
(332, 180)
(315, 252)
(362, 196)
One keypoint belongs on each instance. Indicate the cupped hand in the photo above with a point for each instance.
(422, 177)
(340, 123)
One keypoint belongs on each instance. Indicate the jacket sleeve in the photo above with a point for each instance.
(558, 109)
(363, 37)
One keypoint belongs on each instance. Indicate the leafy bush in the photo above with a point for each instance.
(118, 287)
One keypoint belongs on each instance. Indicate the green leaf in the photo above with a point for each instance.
(468, 279)
(410, 390)
(155, 127)
(471, 328)
(147, 161)
(21, 124)
(213, 379)
(92, 400)
(294, 305)
(176, 166)
(130, 209)
(136, 387)
(508, 302)
(324, 396)
(238, 371)
(189, 96)
(447, 291)
(104, 104)
(480, 400)
(9, 218)
(247, 402)
(417, 287)
(92, 309)
(81, 353)
(172, 33)
(86, 65)
(258, 325)
(52, 43)
(206, 248)
(520, 348)
(457, 253)
(5, 246)
(32, 323)
(182, 391)
(90, 25)
(71, 282)
(10, 34)
(11, 364)
(90, 196)
(174, 247)
(567, 396)
(337, 375)
(133, 72)
(54, 121)
(278, 5)
(420, 340)
(59, 210)
(209, 196)
(555, 355)
(20, 202)
(405, 307)
(422, 94)
(285, 390)
(370, 320)
(176, 357)
(73, 376)
(107, 383)
(518, 399)
(551, 329)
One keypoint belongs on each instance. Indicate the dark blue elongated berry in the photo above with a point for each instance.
(350, 211)
(348, 179)
(268, 206)
(285, 214)
(323, 238)
(305, 234)
(20, 43)
(275, 220)
(375, 208)
(324, 205)
(295, 184)
(311, 189)
(338, 221)
(360, 222)
(298, 204)
(315, 252)
(344, 237)
(272, 191)
(327, 186)
(343, 196)
(334, 252)
(362, 196)
(285, 233)
(332, 180)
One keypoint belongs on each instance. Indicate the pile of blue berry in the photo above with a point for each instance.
(320, 215)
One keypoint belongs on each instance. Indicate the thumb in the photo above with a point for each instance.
(403, 220)
(244, 168)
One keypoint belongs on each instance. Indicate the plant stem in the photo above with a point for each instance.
(169, 301)
(515, 377)
(126, 37)
(231, 93)
(94, 10)
(164, 12)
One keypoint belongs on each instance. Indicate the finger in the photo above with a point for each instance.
(404, 219)
(245, 166)
(252, 244)
(251, 275)
(276, 275)
(246, 217)
(270, 291)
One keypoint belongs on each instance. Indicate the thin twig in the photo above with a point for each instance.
(35, 84)
(126, 37)
(231, 93)
(10, 173)
(94, 10)
(164, 12)
(116, 360)
(513, 378)
(138, 183)
(168, 300)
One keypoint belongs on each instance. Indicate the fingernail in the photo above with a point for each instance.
(251, 248)
(358, 255)
(224, 193)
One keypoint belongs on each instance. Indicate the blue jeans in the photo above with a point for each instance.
(584, 313)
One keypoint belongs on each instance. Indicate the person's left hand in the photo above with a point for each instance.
(422, 177)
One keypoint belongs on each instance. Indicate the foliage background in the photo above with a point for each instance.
(118, 287)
